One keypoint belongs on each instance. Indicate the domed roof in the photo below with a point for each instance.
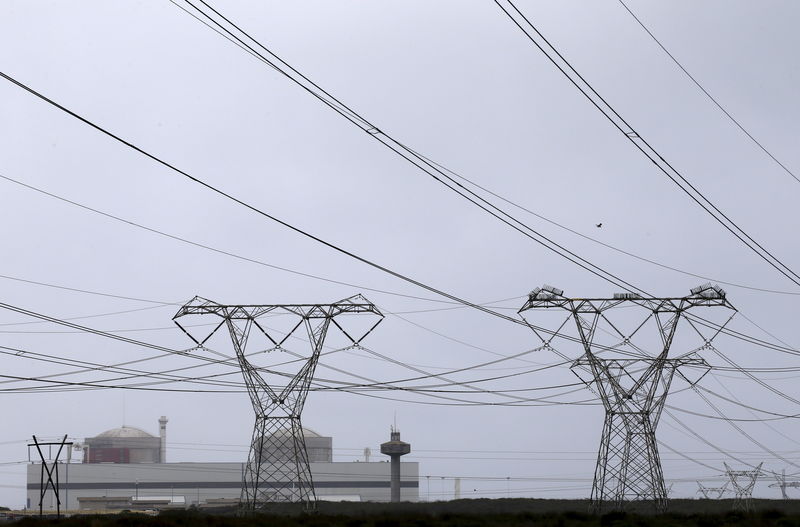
(307, 432)
(126, 432)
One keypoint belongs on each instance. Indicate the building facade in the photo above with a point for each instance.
(126, 468)
(120, 485)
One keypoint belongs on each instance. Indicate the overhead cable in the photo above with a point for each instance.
(565, 67)
(262, 213)
(707, 94)
(608, 245)
(291, 73)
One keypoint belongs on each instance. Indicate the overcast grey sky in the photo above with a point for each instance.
(457, 82)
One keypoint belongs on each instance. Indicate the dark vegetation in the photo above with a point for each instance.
(463, 513)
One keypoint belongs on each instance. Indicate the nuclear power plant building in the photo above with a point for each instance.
(127, 468)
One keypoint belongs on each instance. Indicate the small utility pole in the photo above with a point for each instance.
(50, 471)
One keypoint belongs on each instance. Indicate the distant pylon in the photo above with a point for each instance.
(633, 384)
(712, 493)
(277, 468)
(783, 484)
(743, 482)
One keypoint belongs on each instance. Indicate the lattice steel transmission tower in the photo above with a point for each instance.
(712, 493)
(632, 375)
(783, 484)
(277, 468)
(743, 482)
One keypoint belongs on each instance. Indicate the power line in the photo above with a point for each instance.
(329, 100)
(314, 89)
(741, 431)
(83, 330)
(707, 94)
(608, 245)
(160, 303)
(244, 258)
(702, 439)
(275, 219)
(751, 411)
(262, 213)
(376, 133)
(351, 390)
(289, 270)
(309, 235)
(83, 317)
(87, 329)
(425, 164)
(384, 310)
(350, 387)
(87, 366)
(427, 374)
(566, 68)
(418, 325)
(454, 298)
(188, 242)
(321, 94)
(102, 386)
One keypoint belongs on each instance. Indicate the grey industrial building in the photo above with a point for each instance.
(126, 468)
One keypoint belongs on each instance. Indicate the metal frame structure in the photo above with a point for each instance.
(50, 471)
(277, 468)
(743, 482)
(712, 493)
(783, 484)
(633, 388)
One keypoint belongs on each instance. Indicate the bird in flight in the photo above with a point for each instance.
(598, 225)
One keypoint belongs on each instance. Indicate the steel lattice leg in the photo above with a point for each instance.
(277, 467)
(599, 494)
(628, 464)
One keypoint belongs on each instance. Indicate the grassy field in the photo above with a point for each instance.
(466, 513)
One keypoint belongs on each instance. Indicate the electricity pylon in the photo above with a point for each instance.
(743, 482)
(632, 382)
(277, 468)
(712, 493)
(783, 484)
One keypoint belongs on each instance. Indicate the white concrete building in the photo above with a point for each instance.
(189, 484)
(148, 483)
